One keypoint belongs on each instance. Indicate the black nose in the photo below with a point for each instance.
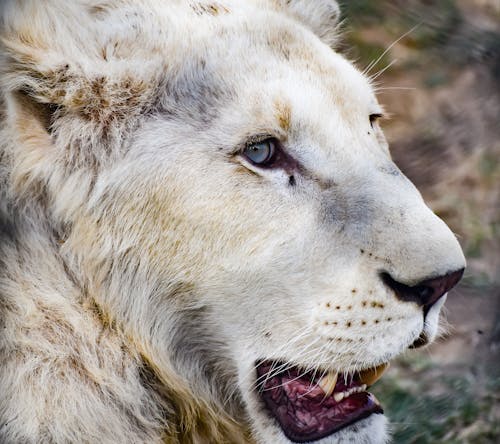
(425, 293)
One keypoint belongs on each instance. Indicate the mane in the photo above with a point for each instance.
(61, 357)
(68, 372)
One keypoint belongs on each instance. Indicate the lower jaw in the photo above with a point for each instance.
(373, 429)
(301, 433)
(305, 413)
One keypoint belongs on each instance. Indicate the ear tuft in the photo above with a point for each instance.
(43, 113)
(55, 55)
(321, 16)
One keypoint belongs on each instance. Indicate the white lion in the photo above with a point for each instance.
(203, 237)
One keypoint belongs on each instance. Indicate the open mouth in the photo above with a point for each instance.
(310, 406)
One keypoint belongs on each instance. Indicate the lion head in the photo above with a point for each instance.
(220, 187)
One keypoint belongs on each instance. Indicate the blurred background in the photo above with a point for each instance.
(441, 85)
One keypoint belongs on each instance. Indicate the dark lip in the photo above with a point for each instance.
(352, 409)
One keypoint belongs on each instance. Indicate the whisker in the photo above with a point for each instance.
(305, 353)
(394, 87)
(380, 72)
(284, 367)
(301, 333)
(367, 70)
(321, 353)
(306, 370)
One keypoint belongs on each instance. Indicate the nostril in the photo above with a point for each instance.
(426, 292)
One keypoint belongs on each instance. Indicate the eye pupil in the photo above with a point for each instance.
(260, 153)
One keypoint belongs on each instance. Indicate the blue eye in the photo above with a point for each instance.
(260, 153)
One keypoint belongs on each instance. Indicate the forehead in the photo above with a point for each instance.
(264, 58)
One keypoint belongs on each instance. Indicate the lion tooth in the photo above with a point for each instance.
(372, 375)
(338, 396)
(327, 382)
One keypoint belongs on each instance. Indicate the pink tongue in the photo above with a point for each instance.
(305, 413)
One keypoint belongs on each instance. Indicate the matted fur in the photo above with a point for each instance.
(146, 265)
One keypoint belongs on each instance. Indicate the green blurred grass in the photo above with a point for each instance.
(456, 413)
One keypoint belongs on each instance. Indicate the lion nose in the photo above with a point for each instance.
(427, 292)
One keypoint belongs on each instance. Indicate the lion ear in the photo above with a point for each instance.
(70, 92)
(33, 83)
(28, 111)
(32, 80)
(29, 125)
(321, 16)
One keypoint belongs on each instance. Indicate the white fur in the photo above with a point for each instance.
(144, 242)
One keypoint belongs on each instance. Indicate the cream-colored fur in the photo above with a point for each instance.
(146, 265)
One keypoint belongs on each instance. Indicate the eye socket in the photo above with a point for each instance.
(260, 153)
(373, 119)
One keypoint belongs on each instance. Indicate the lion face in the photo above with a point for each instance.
(253, 233)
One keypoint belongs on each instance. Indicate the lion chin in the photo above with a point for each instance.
(203, 237)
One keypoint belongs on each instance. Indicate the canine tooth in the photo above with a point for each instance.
(372, 375)
(327, 382)
(338, 396)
